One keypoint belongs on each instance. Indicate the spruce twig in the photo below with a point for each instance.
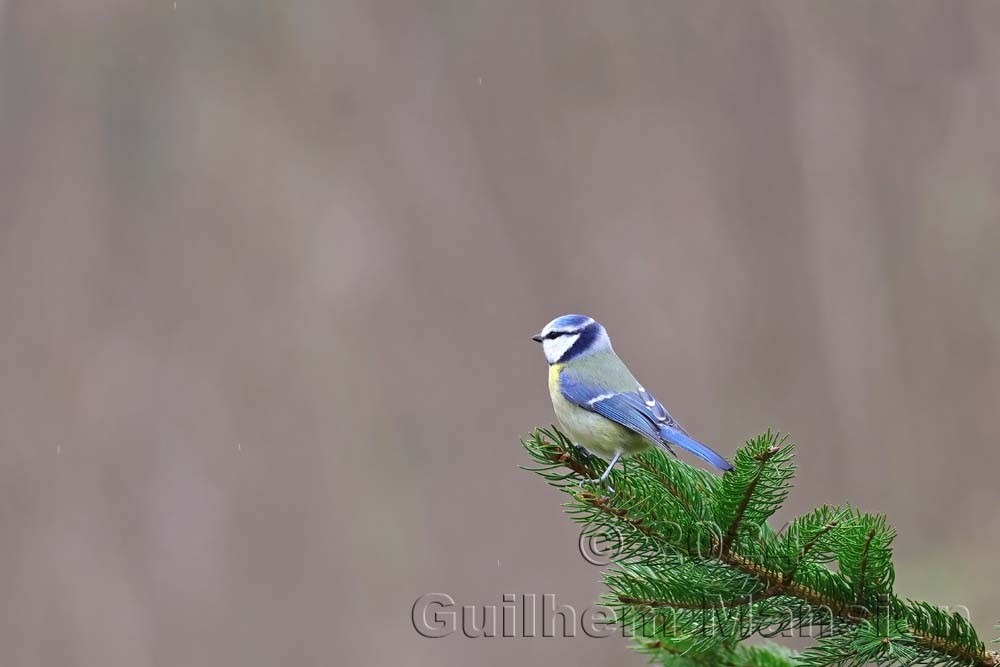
(700, 573)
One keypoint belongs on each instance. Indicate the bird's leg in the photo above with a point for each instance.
(614, 460)
(604, 476)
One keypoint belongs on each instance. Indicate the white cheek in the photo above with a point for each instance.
(555, 348)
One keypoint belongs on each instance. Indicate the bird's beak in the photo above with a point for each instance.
(537, 338)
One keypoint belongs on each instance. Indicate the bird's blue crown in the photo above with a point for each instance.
(570, 323)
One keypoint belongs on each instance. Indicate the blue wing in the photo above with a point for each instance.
(639, 411)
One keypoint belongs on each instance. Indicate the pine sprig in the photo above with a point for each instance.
(699, 570)
(755, 489)
(865, 555)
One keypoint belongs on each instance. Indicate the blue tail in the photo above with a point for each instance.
(673, 436)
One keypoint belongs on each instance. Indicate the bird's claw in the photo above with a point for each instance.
(597, 482)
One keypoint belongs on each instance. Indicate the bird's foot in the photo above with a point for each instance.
(598, 483)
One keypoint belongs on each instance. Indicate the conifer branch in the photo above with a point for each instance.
(667, 484)
(700, 569)
(727, 541)
(810, 545)
(859, 596)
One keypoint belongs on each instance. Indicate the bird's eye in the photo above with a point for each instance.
(553, 334)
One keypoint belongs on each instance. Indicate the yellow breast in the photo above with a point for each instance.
(554, 380)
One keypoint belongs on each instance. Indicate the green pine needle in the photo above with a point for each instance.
(698, 570)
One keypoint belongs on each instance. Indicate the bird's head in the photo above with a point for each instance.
(572, 336)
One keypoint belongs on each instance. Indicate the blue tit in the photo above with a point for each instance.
(599, 403)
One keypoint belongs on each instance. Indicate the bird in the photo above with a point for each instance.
(600, 404)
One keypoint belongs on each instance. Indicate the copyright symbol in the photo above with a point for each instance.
(601, 546)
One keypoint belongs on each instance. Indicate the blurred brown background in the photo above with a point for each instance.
(268, 272)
